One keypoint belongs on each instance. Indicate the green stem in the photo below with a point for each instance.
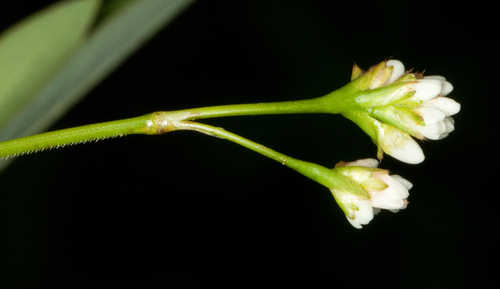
(335, 102)
(285, 107)
(158, 123)
(338, 101)
(313, 171)
(81, 134)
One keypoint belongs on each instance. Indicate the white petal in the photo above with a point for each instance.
(438, 77)
(398, 144)
(363, 215)
(404, 207)
(408, 185)
(445, 104)
(355, 223)
(387, 200)
(369, 163)
(442, 136)
(432, 131)
(397, 188)
(398, 69)
(426, 89)
(430, 114)
(392, 197)
(408, 152)
(450, 124)
(447, 88)
(448, 127)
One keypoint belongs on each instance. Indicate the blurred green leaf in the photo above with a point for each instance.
(111, 7)
(112, 42)
(33, 50)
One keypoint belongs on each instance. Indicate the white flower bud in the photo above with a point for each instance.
(430, 114)
(399, 145)
(396, 105)
(438, 77)
(391, 198)
(385, 191)
(368, 162)
(426, 89)
(398, 69)
(436, 112)
(360, 210)
(445, 104)
(403, 181)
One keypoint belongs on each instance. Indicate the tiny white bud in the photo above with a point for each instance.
(445, 104)
(410, 153)
(407, 184)
(450, 124)
(447, 88)
(438, 77)
(363, 213)
(392, 197)
(398, 69)
(426, 89)
(433, 131)
(400, 145)
(430, 114)
(369, 163)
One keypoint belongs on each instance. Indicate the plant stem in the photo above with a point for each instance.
(156, 123)
(161, 122)
(313, 171)
(80, 134)
(335, 102)
(285, 107)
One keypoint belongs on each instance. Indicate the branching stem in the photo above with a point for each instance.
(166, 121)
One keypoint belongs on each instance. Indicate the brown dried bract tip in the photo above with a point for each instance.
(418, 75)
(356, 71)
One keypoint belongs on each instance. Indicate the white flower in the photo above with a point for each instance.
(429, 102)
(398, 104)
(435, 108)
(383, 191)
(398, 144)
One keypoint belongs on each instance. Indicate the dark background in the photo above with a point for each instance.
(187, 211)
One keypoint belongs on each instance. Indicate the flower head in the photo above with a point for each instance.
(396, 105)
(374, 189)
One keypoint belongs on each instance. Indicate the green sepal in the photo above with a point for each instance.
(343, 201)
(374, 184)
(407, 77)
(344, 183)
(375, 76)
(368, 124)
(384, 95)
(364, 176)
(402, 118)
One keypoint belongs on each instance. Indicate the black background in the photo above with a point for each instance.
(187, 211)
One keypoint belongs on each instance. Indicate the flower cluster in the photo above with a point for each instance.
(396, 104)
(374, 189)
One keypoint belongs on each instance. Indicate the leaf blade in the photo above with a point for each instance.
(102, 53)
(32, 51)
